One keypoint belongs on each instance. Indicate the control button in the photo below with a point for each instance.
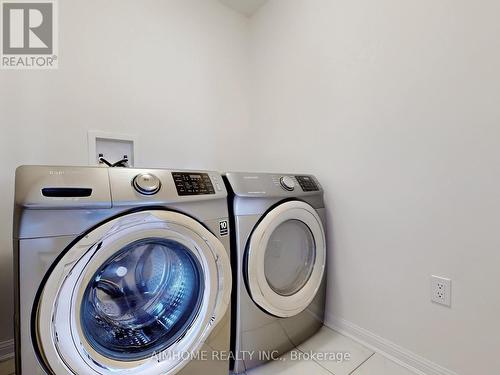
(147, 183)
(307, 183)
(192, 183)
(287, 183)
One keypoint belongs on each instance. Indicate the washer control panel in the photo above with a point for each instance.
(307, 183)
(192, 183)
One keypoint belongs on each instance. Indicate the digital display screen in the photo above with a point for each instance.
(307, 183)
(192, 183)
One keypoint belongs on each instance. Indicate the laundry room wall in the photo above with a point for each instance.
(394, 105)
(171, 73)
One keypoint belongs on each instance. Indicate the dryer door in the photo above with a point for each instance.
(285, 259)
(137, 295)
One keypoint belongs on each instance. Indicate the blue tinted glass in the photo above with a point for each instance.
(142, 299)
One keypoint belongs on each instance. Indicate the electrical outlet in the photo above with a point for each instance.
(441, 290)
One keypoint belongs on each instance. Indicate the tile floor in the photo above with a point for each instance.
(362, 361)
(7, 367)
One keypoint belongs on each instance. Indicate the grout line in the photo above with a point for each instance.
(323, 367)
(361, 364)
(319, 364)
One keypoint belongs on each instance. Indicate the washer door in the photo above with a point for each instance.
(138, 295)
(286, 259)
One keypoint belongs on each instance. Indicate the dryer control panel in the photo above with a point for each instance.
(248, 184)
(253, 193)
(192, 183)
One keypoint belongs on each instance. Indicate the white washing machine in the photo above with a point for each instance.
(279, 258)
(121, 271)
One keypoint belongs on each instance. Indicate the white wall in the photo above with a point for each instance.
(395, 106)
(171, 72)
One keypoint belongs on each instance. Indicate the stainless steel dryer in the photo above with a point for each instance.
(121, 271)
(279, 255)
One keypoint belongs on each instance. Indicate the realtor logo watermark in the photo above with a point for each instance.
(29, 34)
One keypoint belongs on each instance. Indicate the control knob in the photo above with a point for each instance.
(146, 184)
(287, 183)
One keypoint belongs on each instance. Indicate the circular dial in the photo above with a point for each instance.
(147, 183)
(287, 183)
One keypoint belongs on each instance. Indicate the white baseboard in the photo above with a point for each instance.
(387, 348)
(6, 350)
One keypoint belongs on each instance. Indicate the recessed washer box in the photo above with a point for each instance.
(112, 146)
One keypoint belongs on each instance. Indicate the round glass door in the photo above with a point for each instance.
(141, 299)
(286, 257)
(289, 257)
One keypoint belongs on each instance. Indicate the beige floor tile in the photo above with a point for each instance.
(379, 365)
(289, 364)
(7, 367)
(326, 342)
